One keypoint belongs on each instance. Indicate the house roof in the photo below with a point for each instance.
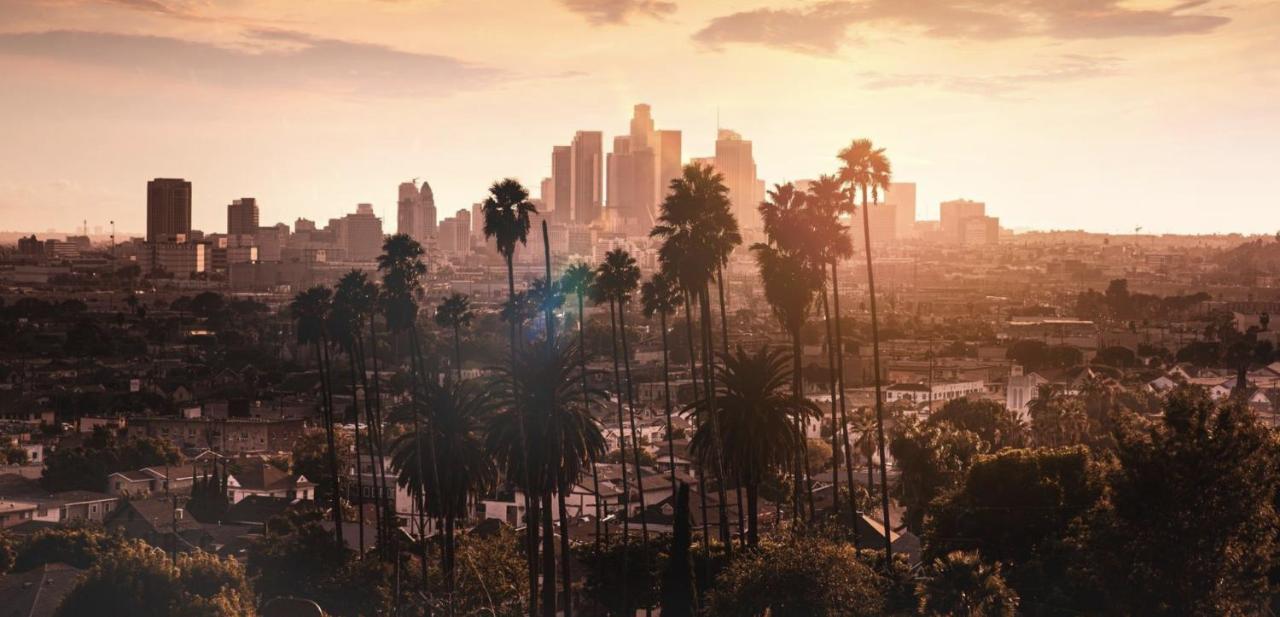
(265, 477)
(257, 509)
(38, 592)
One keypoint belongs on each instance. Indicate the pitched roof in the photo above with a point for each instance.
(266, 477)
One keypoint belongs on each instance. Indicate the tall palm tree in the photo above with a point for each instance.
(310, 309)
(454, 313)
(756, 416)
(698, 232)
(826, 201)
(345, 320)
(660, 296)
(456, 415)
(578, 279)
(544, 392)
(506, 220)
(866, 168)
(617, 278)
(791, 283)
(402, 271)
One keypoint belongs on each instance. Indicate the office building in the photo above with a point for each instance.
(416, 211)
(168, 209)
(980, 230)
(560, 196)
(587, 171)
(464, 229)
(242, 217)
(953, 215)
(360, 234)
(734, 159)
(902, 196)
(669, 160)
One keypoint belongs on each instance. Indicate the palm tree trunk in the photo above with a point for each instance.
(531, 523)
(835, 424)
(326, 388)
(548, 556)
(373, 449)
(797, 390)
(622, 429)
(416, 379)
(457, 350)
(709, 373)
(586, 401)
(355, 407)
(390, 525)
(693, 376)
(635, 433)
(566, 578)
(753, 514)
(622, 454)
(666, 392)
(844, 418)
(875, 355)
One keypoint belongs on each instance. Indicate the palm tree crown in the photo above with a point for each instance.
(454, 312)
(660, 295)
(506, 215)
(697, 227)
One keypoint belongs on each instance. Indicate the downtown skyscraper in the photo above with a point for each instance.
(640, 168)
(242, 217)
(168, 209)
(586, 176)
(416, 211)
(735, 160)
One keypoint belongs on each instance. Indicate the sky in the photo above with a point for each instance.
(1103, 115)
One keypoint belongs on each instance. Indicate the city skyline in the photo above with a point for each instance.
(1010, 105)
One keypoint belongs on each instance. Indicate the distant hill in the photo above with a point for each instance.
(1257, 257)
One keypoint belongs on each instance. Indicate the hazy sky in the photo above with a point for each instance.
(1096, 114)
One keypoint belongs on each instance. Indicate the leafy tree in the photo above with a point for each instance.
(7, 553)
(136, 579)
(806, 576)
(1191, 500)
(932, 458)
(77, 546)
(1057, 420)
(310, 456)
(1119, 357)
(961, 585)
(989, 420)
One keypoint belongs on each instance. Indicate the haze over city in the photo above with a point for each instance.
(914, 308)
(1103, 116)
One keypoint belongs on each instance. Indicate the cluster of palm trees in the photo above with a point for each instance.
(533, 422)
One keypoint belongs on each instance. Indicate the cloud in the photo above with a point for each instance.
(601, 12)
(282, 59)
(824, 27)
(1067, 68)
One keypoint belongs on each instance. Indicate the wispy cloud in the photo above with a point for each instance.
(1067, 68)
(601, 12)
(824, 27)
(282, 59)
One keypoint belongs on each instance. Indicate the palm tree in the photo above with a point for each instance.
(617, 278)
(756, 416)
(310, 309)
(961, 585)
(1057, 420)
(660, 296)
(578, 279)
(545, 390)
(456, 415)
(345, 320)
(506, 219)
(455, 313)
(831, 244)
(698, 232)
(791, 282)
(402, 271)
(867, 168)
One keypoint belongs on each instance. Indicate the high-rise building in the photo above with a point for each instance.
(669, 161)
(464, 229)
(361, 234)
(561, 194)
(953, 215)
(168, 209)
(447, 240)
(633, 174)
(416, 211)
(734, 159)
(587, 170)
(902, 196)
(242, 217)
